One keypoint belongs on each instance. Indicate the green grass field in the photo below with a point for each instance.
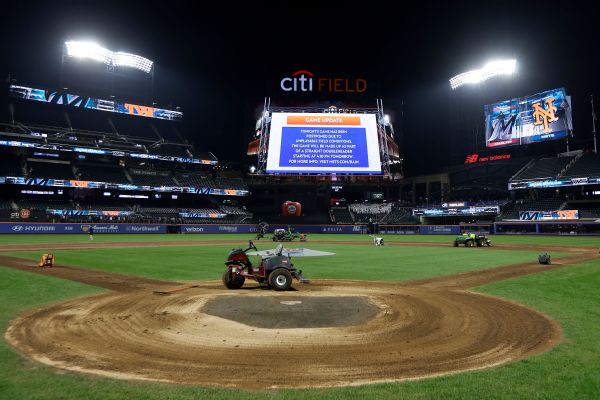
(243, 238)
(569, 295)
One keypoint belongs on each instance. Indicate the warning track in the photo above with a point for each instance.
(418, 329)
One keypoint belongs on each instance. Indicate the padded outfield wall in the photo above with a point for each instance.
(99, 228)
(502, 228)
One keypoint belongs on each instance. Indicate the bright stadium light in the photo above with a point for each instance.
(489, 70)
(98, 53)
(89, 50)
(131, 60)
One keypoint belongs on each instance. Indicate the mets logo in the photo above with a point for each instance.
(544, 116)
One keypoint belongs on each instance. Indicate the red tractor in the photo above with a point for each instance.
(274, 270)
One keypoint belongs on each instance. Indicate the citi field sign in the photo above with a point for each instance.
(304, 81)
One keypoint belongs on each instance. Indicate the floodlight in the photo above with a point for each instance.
(98, 53)
(89, 50)
(386, 119)
(489, 70)
(121, 59)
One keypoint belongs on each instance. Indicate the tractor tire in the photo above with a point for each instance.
(455, 243)
(280, 279)
(469, 243)
(232, 281)
(479, 244)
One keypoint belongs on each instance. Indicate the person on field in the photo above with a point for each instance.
(91, 232)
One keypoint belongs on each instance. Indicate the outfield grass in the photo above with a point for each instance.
(570, 295)
(243, 238)
(350, 262)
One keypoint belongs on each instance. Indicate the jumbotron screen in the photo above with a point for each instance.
(531, 119)
(323, 143)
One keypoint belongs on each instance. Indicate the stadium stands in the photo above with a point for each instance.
(151, 177)
(194, 180)
(102, 173)
(545, 168)
(102, 206)
(11, 166)
(49, 169)
(586, 165)
(231, 183)
(400, 216)
(6, 205)
(511, 210)
(31, 204)
(588, 209)
(364, 212)
(341, 215)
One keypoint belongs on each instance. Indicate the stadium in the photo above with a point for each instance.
(216, 218)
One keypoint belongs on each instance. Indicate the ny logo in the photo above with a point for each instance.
(544, 116)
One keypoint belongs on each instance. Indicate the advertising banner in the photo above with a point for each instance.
(252, 228)
(547, 183)
(29, 228)
(19, 180)
(91, 103)
(548, 215)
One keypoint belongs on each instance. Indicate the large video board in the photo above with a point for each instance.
(540, 117)
(91, 103)
(323, 143)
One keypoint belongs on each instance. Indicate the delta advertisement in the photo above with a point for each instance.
(548, 215)
(323, 143)
(540, 117)
(253, 229)
(90, 103)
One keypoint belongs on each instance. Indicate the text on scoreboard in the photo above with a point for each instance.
(323, 143)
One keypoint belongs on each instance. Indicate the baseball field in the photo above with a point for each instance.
(414, 319)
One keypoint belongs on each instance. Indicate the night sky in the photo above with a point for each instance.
(218, 65)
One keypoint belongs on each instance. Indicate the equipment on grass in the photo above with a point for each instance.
(472, 240)
(378, 241)
(544, 259)
(262, 228)
(284, 235)
(275, 269)
(47, 261)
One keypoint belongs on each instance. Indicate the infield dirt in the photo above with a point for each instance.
(211, 336)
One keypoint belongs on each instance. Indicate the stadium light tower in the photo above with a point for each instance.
(94, 51)
(489, 70)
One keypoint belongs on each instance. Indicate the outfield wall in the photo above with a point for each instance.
(99, 228)
(500, 228)
(32, 227)
(558, 228)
